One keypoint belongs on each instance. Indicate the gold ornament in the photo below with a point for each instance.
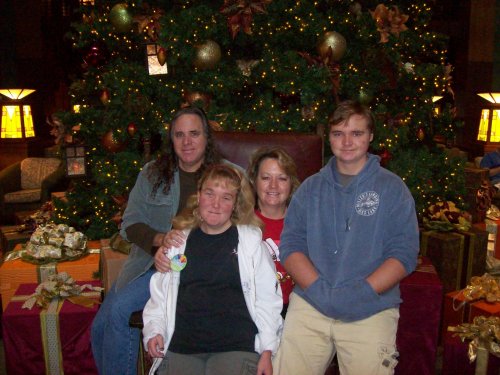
(207, 55)
(196, 97)
(420, 134)
(162, 56)
(331, 44)
(120, 18)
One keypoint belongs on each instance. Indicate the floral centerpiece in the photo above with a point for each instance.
(54, 243)
(446, 216)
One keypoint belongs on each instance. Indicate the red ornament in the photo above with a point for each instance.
(385, 157)
(131, 129)
(110, 142)
(104, 98)
(96, 55)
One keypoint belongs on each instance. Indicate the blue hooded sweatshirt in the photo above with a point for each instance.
(348, 232)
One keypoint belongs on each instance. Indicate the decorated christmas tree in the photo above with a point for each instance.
(265, 66)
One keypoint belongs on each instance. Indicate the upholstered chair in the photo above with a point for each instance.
(27, 184)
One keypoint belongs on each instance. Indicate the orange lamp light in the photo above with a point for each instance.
(489, 123)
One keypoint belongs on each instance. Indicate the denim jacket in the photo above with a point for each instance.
(155, 211)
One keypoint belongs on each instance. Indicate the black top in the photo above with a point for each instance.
(212, 315)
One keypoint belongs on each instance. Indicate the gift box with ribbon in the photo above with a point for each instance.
(16, 271)
(457, 255)
(491, 226)
(480, 298)
(55, 340)
(417, 338)
(111, 264)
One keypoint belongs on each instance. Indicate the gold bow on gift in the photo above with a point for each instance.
(484, 332)
(483, 287)
(61, 286)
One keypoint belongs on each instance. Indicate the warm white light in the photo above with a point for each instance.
(16, 94)
(492, 97)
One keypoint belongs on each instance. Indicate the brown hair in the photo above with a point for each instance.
(348, 108)
(163, 169)
(244, 206)
(284, 160)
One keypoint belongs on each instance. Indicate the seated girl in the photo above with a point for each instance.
(221, 313)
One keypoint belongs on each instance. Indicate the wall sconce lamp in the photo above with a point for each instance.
(489, 123)
(16, 122)
(75, 161)
(156, 59)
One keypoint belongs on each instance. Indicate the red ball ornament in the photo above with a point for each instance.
(110, 142)
(131, 129)
(385, 157)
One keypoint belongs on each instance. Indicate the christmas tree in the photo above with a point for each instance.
(263, 65)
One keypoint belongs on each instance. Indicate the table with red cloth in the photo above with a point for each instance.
(420, 316)
(24, 341)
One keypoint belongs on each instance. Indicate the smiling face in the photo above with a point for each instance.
(273, 186)
(349, 141)
(217, 199)
(189, 141)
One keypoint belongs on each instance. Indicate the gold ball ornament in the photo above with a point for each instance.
(333, 40)
(207, 55)
(120, 18)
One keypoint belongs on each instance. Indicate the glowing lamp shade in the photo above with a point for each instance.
(16, 121)
(489, 123)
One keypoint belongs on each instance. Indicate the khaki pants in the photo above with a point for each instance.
(311, 339)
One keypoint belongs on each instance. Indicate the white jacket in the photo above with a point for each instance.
(260, 288)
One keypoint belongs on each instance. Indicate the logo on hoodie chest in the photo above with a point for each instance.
(367, 203)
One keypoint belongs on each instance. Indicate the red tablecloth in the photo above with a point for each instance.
(420, 315)
(22, 336)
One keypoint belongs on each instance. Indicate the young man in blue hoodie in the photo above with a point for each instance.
(350, 236)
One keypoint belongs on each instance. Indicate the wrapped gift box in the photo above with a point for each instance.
(53, 341)
(455, 311)
(417, 338)
(16, 272)
(491, 226)
(111, 264)
(457, 256)
(456, 360)
(474, 177)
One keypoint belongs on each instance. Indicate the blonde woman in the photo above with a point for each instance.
(221, 313)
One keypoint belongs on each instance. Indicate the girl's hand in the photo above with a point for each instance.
(265, 365)
(155, 347)
(162, 261)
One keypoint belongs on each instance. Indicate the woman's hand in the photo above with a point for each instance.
(265, 365)
(155, 347)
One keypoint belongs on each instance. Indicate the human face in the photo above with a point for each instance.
(349, 142)
(189, 141)
(217, 200)
(273, 186)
